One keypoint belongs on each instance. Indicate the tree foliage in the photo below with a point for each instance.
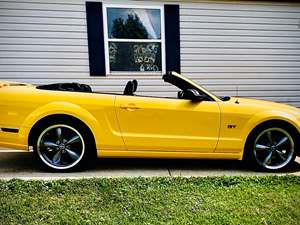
(131, 28)
(124, 58)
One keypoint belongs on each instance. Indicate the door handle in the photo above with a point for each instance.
(130, 107)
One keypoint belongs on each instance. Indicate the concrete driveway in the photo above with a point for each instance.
(22, 166)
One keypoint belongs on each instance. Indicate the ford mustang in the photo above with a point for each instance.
(66, 125)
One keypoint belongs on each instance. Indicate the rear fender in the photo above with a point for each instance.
(62, 108)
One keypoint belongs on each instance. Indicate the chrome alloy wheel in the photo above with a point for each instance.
(273, 148)
(60, 146)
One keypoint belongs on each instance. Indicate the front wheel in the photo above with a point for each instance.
(272, 148)
(61, 147)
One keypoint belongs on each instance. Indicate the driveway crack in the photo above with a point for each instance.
(169, 172)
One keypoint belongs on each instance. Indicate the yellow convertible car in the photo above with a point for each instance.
(67, 124)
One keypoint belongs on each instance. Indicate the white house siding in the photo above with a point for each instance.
(252, 47)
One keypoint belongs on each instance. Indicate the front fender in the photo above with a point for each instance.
(268, 115)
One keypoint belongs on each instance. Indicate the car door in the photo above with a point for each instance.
(166, 124)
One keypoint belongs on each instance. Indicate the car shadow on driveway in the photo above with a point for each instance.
(189, 167)
(22, 165)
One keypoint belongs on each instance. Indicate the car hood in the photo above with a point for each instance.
(266, 105)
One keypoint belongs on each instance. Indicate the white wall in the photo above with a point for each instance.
(254, 46)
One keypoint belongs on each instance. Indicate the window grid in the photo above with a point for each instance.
(107, 40)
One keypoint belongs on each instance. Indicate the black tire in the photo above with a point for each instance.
(271, 147)
(73, 150)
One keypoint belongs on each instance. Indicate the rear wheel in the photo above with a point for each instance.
(62, 147)
(272, 148)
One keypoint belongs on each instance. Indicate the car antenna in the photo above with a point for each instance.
(237, 95)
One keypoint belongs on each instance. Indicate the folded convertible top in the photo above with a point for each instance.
(66, 87)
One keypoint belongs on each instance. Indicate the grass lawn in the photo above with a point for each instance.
(212, 200)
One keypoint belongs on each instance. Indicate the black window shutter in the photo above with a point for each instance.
(172, 37)
(94, 19)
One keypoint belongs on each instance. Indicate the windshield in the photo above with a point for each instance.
(222, 98)
(184, 83)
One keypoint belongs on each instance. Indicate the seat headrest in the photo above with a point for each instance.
(129, 88)
(135, 84)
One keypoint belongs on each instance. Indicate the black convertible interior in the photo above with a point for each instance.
(188, 91)
(130, 87)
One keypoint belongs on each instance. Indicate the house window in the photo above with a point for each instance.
(134, 39)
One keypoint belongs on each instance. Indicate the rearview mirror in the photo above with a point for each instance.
(191, 94)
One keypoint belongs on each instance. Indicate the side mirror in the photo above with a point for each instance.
(191, 94)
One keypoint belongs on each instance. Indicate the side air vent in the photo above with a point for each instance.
(10, 130)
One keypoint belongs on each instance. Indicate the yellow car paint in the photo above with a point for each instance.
(139, 126)
(169, 120)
